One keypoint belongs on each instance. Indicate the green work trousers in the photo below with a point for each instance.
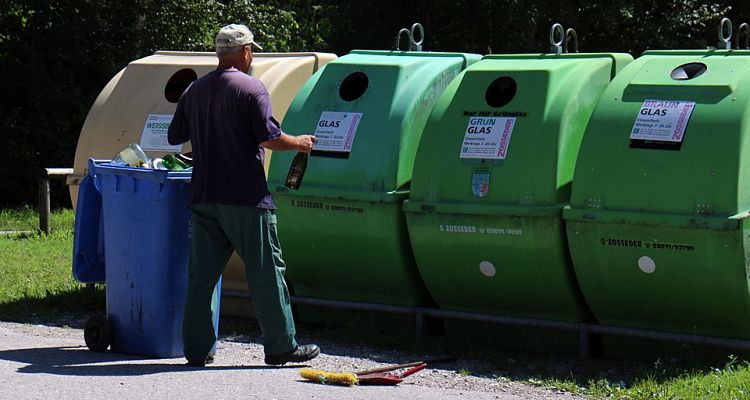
(217, 230)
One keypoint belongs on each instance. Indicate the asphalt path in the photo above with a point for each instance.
(39, 362)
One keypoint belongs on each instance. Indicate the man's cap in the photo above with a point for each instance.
(235, 35)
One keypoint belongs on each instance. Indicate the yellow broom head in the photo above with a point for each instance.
(325, 377)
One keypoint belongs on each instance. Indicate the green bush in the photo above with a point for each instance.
(56, 56)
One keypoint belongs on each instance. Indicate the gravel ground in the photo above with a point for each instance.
(42, 361)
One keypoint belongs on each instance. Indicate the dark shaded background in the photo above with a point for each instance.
(56, 56)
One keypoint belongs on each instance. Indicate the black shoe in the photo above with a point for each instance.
(201, 363)
(305, 352)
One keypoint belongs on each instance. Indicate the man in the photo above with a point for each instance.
(227, 117)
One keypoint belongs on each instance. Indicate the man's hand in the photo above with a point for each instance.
(305, 143)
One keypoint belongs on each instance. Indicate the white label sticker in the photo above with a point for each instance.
(487, 137)
(154, 136)
(663, 120)
(336, 130)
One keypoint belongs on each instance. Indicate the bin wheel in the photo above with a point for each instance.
(97, 333)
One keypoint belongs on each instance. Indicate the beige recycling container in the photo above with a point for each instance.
(138, 103)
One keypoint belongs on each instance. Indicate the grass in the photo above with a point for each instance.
(27, 219)
(20, 219)
(610, 379)
(36, 285)
(698, 376)
(35, 269)
(731, 381)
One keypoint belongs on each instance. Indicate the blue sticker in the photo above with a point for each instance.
(480, 182)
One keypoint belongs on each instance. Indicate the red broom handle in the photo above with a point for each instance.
(413, 364)
(413, 370)
(389, 368)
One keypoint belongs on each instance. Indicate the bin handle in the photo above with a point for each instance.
(725, 41)
(570, 33)
(556, 46)
(744, 28)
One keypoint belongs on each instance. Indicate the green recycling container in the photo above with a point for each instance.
(343, 231)
(491, 177)
(657, 223)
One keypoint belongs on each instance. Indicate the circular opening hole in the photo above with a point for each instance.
(501, 91)
(353, 86)
(178, 83)
(688, 71)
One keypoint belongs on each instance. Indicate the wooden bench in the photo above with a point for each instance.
(44, 202)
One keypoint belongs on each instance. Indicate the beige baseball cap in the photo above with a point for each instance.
(235, 35)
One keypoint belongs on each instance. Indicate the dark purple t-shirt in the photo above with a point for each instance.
(226, 115)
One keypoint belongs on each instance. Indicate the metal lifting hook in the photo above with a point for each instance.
(725, 42)
(398, 38)
(563, 45)
(744, 28)
(413, 44)
(556, 46)
(570, 33)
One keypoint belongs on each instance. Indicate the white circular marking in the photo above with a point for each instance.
(647, 264)
(487, 268)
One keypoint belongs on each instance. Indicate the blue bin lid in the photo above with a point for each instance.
(88, 246)
(152, 175)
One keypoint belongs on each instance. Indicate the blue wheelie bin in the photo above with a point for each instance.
(132, 231)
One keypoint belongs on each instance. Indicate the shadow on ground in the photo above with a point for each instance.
(79, 361)
(474, 357)
(66, 309)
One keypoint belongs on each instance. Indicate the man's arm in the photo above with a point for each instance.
(303, 143)
(266, 128)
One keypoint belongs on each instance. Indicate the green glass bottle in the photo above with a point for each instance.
(173, 163)
(296, 171)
